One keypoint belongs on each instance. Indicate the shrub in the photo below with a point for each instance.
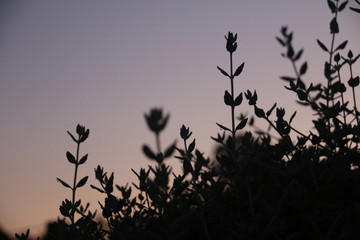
(294, 186)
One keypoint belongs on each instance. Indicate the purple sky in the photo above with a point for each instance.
(105, 63)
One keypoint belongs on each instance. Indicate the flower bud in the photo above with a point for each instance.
(231, 44)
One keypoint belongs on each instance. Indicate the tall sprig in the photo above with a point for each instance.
(229, 98)
(329, 71)
(156, 121)
(68, 208)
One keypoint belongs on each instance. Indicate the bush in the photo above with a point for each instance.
(292, 186)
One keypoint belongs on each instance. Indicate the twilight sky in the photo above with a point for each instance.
(104, 64)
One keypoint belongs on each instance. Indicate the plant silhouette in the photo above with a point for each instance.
(157, 123)
(296, 185)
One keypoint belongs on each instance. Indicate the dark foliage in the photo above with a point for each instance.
(3, 235)
(292, 186)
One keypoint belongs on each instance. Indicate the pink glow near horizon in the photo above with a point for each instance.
(103, 64)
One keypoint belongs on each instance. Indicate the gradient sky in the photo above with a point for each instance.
(104, 64)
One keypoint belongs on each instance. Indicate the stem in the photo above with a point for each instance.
(330, 61)
(157, 136)
(273, 126)
(333, 39)
(295, 69)
(308, 138)
(147, 200)
(342, 101)
(354, 97)
(232, 107)
(186, 151)
(355, 108)
(196, 190)
(74, 185)
(342, 96)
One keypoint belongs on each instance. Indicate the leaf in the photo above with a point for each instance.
(292, 117)
(70, 158)
(342, 6)
(301, 95)
(223, 127)
(259, 112)
(342, 45)
(238, 100)
(327, 70)
(355, 59)
(251, 123)
(73, 138)
(85, 136)
(338, 87)
(219, 138)
(280, 41)
(228, 99)
(82, 182)
(298, 55)
(94, 187)
(323, 47)
(181, 158)
(223, 72)
(285, 78)
(109, 185)
(354, 82)
(332, 6)
(334, 26)
(63, 183)
(311, 87)
(147, 151)
(290, 52)
(191, 146)
(293, 86)
(239, 70)
(242, 124)
(170, 150)
(355, 9)
(83, 159)
(303, 68)
(187, 167)
(248, 94)
(268, 113)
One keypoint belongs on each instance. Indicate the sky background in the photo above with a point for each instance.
(103, 64)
